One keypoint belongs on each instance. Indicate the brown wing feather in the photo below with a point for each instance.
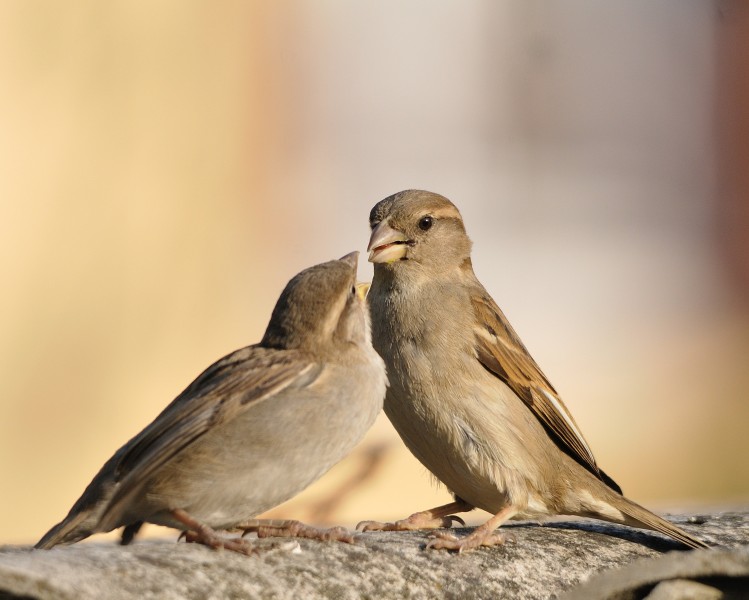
(218, 395)
(501, 352)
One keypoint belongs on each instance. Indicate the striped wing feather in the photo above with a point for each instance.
(501, 352)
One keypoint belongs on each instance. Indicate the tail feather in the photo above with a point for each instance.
(638, 516)
(69, 531)
(84, 518)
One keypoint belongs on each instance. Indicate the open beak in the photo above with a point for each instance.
(386, 244)
(362, 289)
(351, 259)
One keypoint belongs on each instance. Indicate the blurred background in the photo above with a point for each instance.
(166, 167)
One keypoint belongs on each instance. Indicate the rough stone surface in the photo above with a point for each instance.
(701, 575)
(682, 589)
(542, 562)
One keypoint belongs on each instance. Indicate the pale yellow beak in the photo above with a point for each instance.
(386, 244)
(351, 259)
(362, 289)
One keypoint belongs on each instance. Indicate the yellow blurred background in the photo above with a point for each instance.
(166, 167)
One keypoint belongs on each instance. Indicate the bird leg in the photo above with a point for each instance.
(483, 535)
(286, 528)
(129, 532)
(434, 518)
(199, 533)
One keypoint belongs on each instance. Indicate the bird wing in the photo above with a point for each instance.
(224, 390)
(501, 352)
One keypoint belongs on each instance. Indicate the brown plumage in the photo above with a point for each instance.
(254, 429)
(465, 395)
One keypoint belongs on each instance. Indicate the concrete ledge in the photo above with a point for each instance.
(542, 562)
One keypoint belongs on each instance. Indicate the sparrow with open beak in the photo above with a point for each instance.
(253, 429)
(465, 395)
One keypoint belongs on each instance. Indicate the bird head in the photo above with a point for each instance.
(321, 307)
(413, 229)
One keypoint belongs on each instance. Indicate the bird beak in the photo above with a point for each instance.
(351, 259)
(386, 244)
(362, 289)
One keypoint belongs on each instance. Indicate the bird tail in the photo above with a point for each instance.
(84, 518)
(70, 530)
(638, 516)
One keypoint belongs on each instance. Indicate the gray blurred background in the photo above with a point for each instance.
(166, 167)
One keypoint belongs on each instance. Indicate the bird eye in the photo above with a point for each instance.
(425, 223)
(373, 224)
(353, 290)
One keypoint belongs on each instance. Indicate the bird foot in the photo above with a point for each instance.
(417, 521)
(442, 540)
(297, 529)
(210, 538)
(199, 533)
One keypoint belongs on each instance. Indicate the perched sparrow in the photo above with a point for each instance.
(465, 396)
(253, 429)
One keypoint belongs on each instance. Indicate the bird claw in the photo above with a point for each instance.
(199, 533)
(375, 526)
(442, 540)
(219, 543)
(415, 522)
(297, 529)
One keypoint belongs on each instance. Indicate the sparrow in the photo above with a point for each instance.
(254, 429)
(465, 395)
